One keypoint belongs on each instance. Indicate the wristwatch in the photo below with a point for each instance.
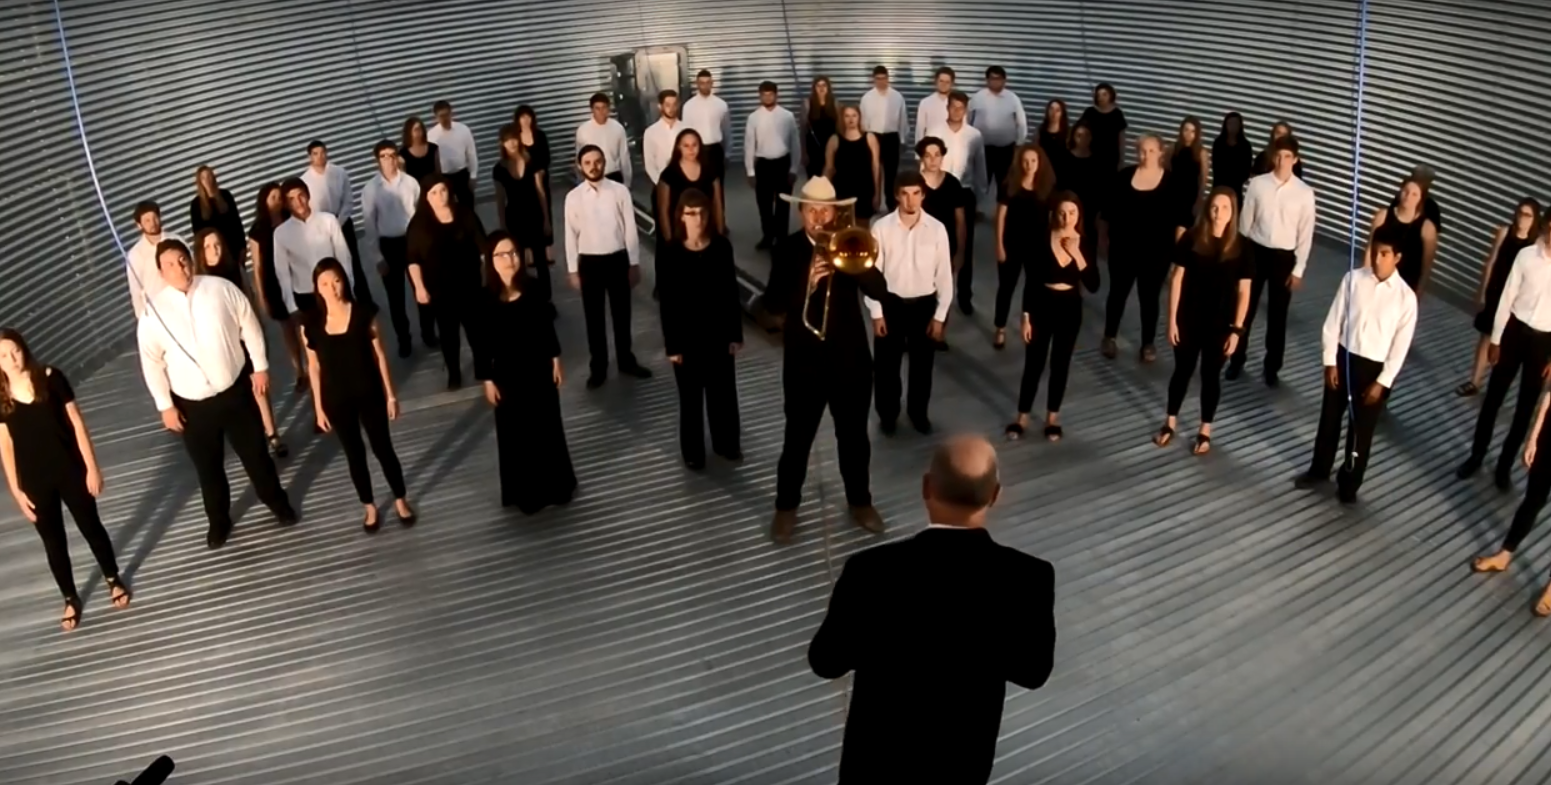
(1237, 329)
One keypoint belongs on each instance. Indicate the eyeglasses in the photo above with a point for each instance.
(505, 254)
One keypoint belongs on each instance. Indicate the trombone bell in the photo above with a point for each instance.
(847, 248)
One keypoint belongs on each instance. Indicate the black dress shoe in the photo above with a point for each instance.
(1347, 496)
(286, 517)
(1504, 479)
(921, 424)
(966, 308)
(596, 380)
(1234, 371)
(217, 536)
(1469, 468)
(734, 456)
(888, 427)
(695, 465)
(636, 370)
(1309, 481)
(405, 349)
(763, 245)
(455, 382)
(431, 342)
(1271, 380)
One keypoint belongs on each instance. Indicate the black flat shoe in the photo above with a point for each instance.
(372, 526)
(734, 456)
(1308, 481)
(1108, 349)
(695, 466)
(217, 536)
(1468, 469)
(405, 350)
(888, 427)
(277, 448)
(637, 371)
(1234, 371)
(595, 381)
(406, 520)
(1467, 389)
(119, 591)
(922, 425)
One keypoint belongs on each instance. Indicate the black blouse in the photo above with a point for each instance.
(1209, 294)
(699, 295)
(42, 434)
(517, 341)
(1107, 128)
(347, 361)
(1087, 178)
(1026, 223)
(227, 221)
(1142, 223)
(943, 203)
(1185, 171)
(1045, 269)
(450, 255)
(1232, 163)
(421, 167)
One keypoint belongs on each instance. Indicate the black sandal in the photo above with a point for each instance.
(372, 527)
(277, 448)
(1467, 389)
(1202, 445)
(116, 584)
(1053, 433)
(70, 623)
(1164, 438)
(1014, 432)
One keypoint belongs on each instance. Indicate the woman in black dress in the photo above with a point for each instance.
(686, 169)
(820, 117)
(1022, 221)
(1108, 124)
(702, 330)
(1233, 157)
(214, 208)
(1507, 241)
(210, 258)
(421, 158)
(268, 214)
(537, 144)
(519, 362)
(523, 205)
(445, 239)
(1208, 298)
(1187, 167)
(50, 464)
(352, 390)
(852, 164)
(1055, 135)
(1052, 311)
(1145, 222)
(1416, 234)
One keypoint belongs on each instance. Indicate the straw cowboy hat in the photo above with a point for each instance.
(818, 190)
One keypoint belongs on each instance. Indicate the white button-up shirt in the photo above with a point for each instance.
(999, 117)
(329, 191)
(1373, 319)
(1280, 215)
(386, 207)
(771, 133)
(145, 278)
(966, 155)
(300, 245)
(192, 346)
(884, 113)
(657, 146)
(914, 261)
(600, 220)
(932, 112)
(610, 138)
(455, 148)
(1527, 293)
(708, 115)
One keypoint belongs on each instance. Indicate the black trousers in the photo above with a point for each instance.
(454, 311)
(964, 286)
(772, 177)
(808, 390)
(1207, 350)
(1145, 270)
(1523, 353)
(369, 413)
(888, 158)
(461, 185)
(1055, 338)
(998, 163)
(49, 498)
(1355, 379)
(230, 416)
(1539, 488)
(607, 277)
(395, 254)
(906, 321)
(708, 390)
(1272, 268)
(1007, 274)
(359, 286)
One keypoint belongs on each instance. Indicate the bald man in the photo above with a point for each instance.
(935, 626)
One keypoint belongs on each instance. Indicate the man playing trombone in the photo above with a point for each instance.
(827, 361)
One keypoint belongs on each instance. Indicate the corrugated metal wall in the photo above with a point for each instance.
(167, 86)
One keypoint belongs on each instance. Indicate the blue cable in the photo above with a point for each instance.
(1360, 94)
(791, 49)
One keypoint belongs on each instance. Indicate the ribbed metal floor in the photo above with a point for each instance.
(1215, 624)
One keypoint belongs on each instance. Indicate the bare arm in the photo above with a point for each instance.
(538, 185)
(717, 210)
(382, 361)
(8, 455)
(829, 156)
(1001, 232)
(315, 381)
(664, 211)
(500, 204)
(1529, 443)
(1176, 284)
(1429, 251)
(258, 274)
(1241, 306)
(1373, 226)
(877, 167)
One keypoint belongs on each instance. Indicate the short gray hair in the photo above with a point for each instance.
(952, 480)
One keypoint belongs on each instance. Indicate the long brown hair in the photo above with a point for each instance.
(508, 132)
(209, 204)
(1195, 149)
(1044, 175)
(201, 263)
(409, 124)
(692, 198)
(1201, 239)
(1055, 210)
(261, 218)
(826, 108)
(34, 369)
(1064, 128)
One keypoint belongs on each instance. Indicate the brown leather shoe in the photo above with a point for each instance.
(783, 526)
(867, 518)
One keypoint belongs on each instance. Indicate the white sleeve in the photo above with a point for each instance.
(282, 265)
(748, 146)
(252, 330)
(625, 164)
(153, 365)
(136, 291)
(1305, 242)
(874, 307)
(943, 264)
(472, 150)
(573, 235)
(1021, 119)
(342, 252)
(632, 236)
(1399, 345)
(794, 145)
(372, 252)
(1330, 336)
(1505, 302)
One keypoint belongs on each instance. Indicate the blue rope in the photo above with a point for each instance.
(791, 49)
(1352, 264)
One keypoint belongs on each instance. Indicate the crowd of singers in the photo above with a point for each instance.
(1219, 228)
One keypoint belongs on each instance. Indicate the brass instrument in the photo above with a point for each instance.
(848, 249)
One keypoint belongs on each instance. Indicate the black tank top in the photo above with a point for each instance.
(1503, 264)
(1410, 237)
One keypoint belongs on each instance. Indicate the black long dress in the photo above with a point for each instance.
(1501, 266)
(853, 173)
(816, 141)
(225, 219)
(516, 352)
(263, 233)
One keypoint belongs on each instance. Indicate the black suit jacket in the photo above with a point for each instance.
(934, 627)
(846, 346)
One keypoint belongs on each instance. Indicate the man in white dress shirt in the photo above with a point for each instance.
(144, 278)
(997, 113)
(602, 256)
(884, 115)
(204, 383)
(457, 152)
(660, 137)
(771, 143)
(707, 113)
(1278, 221)
(387, 204)
(914, 256)
(329, 185)
(933, 109)
(964, 159)
(309, 236)
(1520, 347)
(1367, 334)
(606, 134)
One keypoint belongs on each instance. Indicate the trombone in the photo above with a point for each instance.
(847, 248)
